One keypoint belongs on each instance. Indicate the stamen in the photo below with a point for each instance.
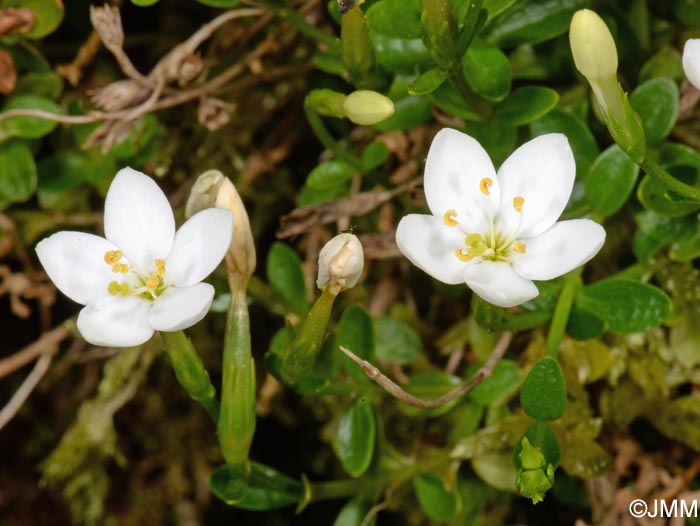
(112, 257)
(520, 247)
(518, 203)
(125, 289)
(114, 288)
(152, 282)
(160, 266)
(448, 218)
(485, 184)
(120, 267)
(462, 256)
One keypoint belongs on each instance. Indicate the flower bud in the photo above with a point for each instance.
(691, 61)
(367, 107)
(535, 476)
(213, 189)
(592, 46)
(340, 263)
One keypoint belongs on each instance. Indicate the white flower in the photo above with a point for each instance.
(691, 61)
(144, 276)
(497, 232)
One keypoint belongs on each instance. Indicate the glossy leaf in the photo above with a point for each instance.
(396, 342)
(286, 276)
(265, 489)
(18, 175)
(354, 438)
(428, 82)
(436, 500)
(584, 325)
(503, 379)
(356, 332)
(525, 105)
(610, 181)
(27, 127)
(625, 305)
(487, 70)
(656, 101)
(330, 174)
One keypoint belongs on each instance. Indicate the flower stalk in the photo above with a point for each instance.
(562, 312)
(190, 371)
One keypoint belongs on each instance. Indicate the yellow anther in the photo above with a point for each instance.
(160, 267)
(114, 288)
(112, 257)
(125, 289)
(449, 217)
(120, 267)
(520, 247)
(518, 203)
(462, 256)
(152, 282)
(485, 184)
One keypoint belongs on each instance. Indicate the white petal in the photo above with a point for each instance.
(691, 61)
(113, 321)
(454, 169)
(430, 245)
(200, 245)
(179, 308)
(562, 248)
(138, 219)
(75, 263)
(541, 172)
(497, 283)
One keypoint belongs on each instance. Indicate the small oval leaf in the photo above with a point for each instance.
(543, 396)
(354, 439)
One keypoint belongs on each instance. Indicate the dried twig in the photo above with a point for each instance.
(46, 344)
(396, 391)
(10, 410)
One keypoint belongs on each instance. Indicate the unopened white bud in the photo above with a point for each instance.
(691, 61)
(367, 107)
(340, 263)
(592, 46)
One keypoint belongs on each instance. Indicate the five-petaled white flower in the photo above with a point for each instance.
(144, 276)
(691, 61)
(497, 232)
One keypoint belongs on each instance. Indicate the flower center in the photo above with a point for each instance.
(491, 246)
(148, 286)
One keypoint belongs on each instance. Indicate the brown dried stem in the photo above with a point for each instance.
(396, 391)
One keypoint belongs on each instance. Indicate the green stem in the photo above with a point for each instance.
(670, 182)
(562, 311)
(190, 371)
(236, 424)
(476, 103)
(529, 320)
(296, 20)
(324, 136)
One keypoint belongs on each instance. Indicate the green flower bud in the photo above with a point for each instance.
(326, 102)
(367, 107)
(535, 476)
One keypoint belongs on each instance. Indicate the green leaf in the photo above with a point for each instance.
(525, 105)
(625, 305)
(265, 489)
(504, 378)
(448, 99)
(286, 277)
(68, 169)
(428, 82)
(584, 325)
(330, 174)
(146, 3)
(27, 127)
(354, 510)
(356, 332)
(532, 21)
(487, 70)
(42, 83)
(396, 342)
(664, 63)
(498, 141)
(543, 395)
(656, 101)
(374, 154)
(354, 439)
(687, 249)
(48, 14)
(610, 181)
(654, 196)
(395, 31)
(580, 137)
(435, 499)
(668, 229)
(18, 176)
